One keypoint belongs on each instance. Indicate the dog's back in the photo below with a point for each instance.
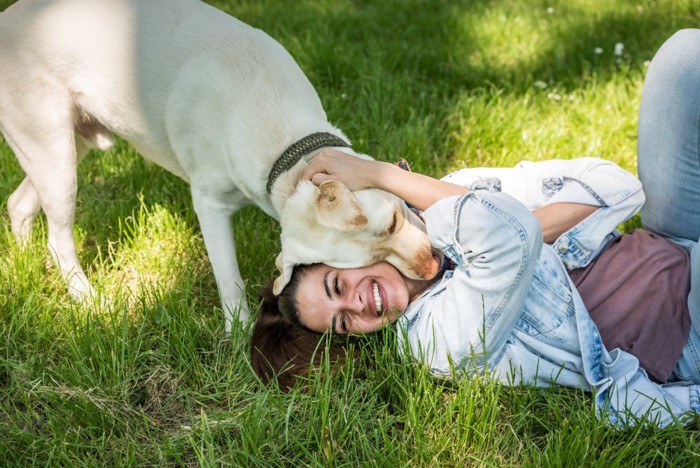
(186, 84)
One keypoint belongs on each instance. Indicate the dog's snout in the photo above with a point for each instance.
(423, 264)
(431, 264)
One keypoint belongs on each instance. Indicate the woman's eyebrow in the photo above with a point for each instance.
(325, 284)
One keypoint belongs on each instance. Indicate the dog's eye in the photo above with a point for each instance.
(394, 222)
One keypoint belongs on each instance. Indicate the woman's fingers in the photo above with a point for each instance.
(318, 165)
(336, 165)
(321, 177)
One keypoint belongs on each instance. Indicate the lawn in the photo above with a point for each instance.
(152, 379)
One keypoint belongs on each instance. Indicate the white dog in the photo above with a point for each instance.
(199, 93)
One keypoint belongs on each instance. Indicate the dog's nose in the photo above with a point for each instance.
(430, 264)
(435, 264)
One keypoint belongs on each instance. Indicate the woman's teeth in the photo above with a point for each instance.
(377, 297)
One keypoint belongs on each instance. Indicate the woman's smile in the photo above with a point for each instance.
(355, 300)
(377, 297)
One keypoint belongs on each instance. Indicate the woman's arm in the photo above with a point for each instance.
(422, 191)
(417, 189)
(495, 242)
(589, 196)
(558, 218)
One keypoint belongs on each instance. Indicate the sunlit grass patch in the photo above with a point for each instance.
(158, 251)
(495, 128)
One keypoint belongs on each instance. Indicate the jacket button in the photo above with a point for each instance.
(563, 248)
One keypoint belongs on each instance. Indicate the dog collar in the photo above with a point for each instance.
(296, 150)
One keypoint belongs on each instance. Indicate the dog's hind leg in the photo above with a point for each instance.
(24, 206)
(48, 153)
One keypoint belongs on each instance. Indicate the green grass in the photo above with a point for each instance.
(152, 379)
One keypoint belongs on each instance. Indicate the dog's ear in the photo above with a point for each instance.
(284, 277)
(337, 208)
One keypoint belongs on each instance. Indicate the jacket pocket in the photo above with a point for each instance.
(548, 306)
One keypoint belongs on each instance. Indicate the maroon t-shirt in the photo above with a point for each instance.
(636, 292)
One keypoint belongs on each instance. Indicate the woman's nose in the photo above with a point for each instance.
(352, 303)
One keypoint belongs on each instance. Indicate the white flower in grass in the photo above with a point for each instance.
(598, 50)
(554, 97)
(619, 48)
(550, 10)
(539, 84)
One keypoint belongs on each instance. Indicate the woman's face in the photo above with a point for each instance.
(356, 300)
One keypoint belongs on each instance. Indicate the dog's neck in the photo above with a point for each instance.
(300, 148)
(286, 183)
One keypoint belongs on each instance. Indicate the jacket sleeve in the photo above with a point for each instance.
(591, 181)
(495, 242)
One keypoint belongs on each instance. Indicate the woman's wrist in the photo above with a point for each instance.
(379, 174)
(417, 189)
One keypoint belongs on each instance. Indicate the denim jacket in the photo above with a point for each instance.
(509, 305)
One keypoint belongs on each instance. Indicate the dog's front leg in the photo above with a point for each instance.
(214, 212)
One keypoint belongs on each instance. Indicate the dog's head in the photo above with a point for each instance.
(332, 225)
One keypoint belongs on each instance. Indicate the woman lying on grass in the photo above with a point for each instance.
(537, 286)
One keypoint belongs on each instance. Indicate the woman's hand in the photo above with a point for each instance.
(355, 173)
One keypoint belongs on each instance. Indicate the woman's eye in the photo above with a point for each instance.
(344, 324)
(335, 286)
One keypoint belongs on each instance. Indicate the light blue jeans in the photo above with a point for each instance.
(668, 155)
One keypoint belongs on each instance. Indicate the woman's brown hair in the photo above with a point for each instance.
(281, 347)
